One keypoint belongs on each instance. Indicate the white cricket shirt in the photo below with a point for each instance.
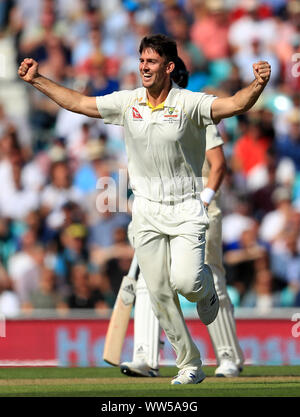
(166, 145)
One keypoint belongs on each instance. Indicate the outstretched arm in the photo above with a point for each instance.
(245, 98)
(68, 99)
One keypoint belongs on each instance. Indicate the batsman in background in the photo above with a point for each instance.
(222, 331)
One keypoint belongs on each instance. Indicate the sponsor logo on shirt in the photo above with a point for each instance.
(136, 114)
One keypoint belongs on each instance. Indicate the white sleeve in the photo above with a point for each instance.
(112, 106)
(213, 137)
(198, 107)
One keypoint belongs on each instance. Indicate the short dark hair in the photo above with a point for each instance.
(161, 44)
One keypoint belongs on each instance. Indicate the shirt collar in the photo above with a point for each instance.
(170, 100)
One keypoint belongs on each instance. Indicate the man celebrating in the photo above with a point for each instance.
(165, 140)
(147, 331)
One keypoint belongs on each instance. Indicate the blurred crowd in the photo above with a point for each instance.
(60, 246)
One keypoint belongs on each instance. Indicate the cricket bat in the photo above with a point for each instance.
(120, 316)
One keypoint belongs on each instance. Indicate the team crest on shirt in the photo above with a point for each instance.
(136, 114)
(171, 115)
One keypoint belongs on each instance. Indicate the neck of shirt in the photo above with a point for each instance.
(158, 107)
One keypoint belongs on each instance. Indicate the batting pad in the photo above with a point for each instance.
(223, 334)
(146, 327)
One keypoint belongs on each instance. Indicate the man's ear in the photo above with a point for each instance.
(170, 67)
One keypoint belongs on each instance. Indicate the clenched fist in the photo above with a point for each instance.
(262, 72)
(28, 70)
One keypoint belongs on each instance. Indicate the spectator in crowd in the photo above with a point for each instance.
(119, 248)
(250, 153)
(139, 25)
(255, 22)
(275, 223)
(128, 73)
(262, 202)
(35, 38)
(82, 294)
(33, 221)
(242, 257)
(58, 192)
(6, 126)
(73, 251)
(93, 165)
(288, 145)
(9, 301)
(231, 192)
(99, 280)
(18, 202)
(89, 44)
(8, 241)
(115, 258)
(24, 266)
(285, 257)
(96, 167)
(261, 296)
(10, 153)
(101, 82)
(293, 270)
(210, 30)
(72, 126)
(103, 233)
(168, 11)
(55, 66)
(236, 222)
(45, 296)
(95, 66)
(284, 253)
(192, 56)
(35, 170)
(244, 58)
(87, 18)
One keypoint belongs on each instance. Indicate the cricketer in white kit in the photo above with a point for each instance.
(168, 218)
(165, 145)
(147, 331)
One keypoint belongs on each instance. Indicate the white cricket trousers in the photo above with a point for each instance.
(169, 241)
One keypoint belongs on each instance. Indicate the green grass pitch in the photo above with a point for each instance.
(255, 381)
